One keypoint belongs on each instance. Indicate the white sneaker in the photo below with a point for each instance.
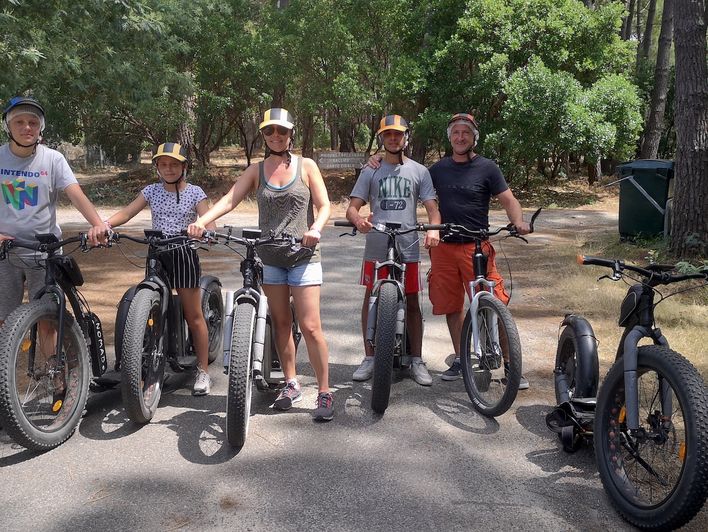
(419, 372)
(202, 384)
(365, 371)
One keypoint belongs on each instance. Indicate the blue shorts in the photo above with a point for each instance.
(309, 274)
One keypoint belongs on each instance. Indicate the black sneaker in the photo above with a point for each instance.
(289, 395)
(324, 407)
(453, 372)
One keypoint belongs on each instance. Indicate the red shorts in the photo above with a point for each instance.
(452, 270)
(413, 284)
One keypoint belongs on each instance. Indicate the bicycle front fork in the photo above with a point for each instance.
(400, 327)
(631, 389)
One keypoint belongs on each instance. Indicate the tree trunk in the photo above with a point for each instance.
(594, 172)
(307, 131)
(185, 131)
(655, 121)
(689, 226)
(649, 29)
(626, 32)
(278, 96)
(346, 138)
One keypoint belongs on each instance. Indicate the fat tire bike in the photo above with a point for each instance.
(649, 421)
(490, 348)
(151, 331)
(386, 329)
(42, 395)
(250, 355)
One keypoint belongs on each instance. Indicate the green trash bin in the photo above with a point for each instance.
(644, 192)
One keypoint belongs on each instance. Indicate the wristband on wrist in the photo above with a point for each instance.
(108, 224)
(313, 230)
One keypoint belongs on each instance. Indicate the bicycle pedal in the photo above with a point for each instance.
(188, 361)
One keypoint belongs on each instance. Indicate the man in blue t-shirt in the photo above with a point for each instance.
(465, 183)
(393, 191)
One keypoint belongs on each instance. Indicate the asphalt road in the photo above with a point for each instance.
(430, 463)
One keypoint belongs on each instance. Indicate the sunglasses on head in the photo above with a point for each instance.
(269, 130)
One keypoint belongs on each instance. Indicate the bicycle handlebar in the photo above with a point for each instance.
(383, 227)
(228, 237)
(486, 233)
(656, 274)
(44, 247)
(156, 240)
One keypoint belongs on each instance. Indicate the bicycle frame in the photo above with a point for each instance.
(637, 316)
(396, 275)
(628, 349)
(251, 293)
(58, 284)
(476, 288)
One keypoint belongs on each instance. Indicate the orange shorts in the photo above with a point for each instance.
(452, 270)
(413, 284)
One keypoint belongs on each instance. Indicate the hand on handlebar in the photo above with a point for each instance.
(523, 228)
(311, 238)
(98, 234)
(364, 225)
(432, 239)
(196, 230)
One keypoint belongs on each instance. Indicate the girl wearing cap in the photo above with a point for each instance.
(31, 177)
(292, 199)
(175, 204)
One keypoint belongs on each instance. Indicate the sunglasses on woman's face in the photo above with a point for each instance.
(269, 130)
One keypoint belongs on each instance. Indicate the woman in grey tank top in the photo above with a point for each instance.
(292, 198)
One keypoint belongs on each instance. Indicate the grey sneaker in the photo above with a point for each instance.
(289, 395)
(202, 384)
(419, 372)
(523, 383)
(453, 372)
(324, 407)
(365, 371)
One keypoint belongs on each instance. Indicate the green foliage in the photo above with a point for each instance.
(547, 78)
(616, 99)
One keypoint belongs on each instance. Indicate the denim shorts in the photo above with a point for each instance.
(309, 274)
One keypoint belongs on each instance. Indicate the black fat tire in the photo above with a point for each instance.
(238, 396)
(567, 361)
(617, 469)
(213, 310)
(143, 360)
(384, 346)
(491, 396)
(43, 431)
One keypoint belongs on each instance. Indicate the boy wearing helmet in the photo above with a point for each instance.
(393, 191)
(31, 177)
(465, 182)
(175, 204)
(292, 199)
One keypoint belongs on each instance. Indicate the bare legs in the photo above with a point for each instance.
(307, 308)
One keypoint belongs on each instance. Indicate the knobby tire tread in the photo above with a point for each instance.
(212, 302)
(384, 346)
(691, 490)
(11, 415)
(238, 400)
(491, 303)
(132, 360)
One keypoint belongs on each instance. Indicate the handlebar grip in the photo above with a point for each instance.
(533, 218)
(586, 260)
(343, 223)
(433, 227)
